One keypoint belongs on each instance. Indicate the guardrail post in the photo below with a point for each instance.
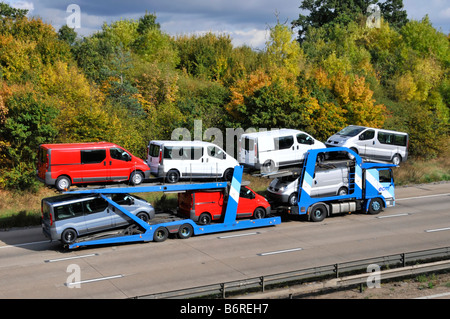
(222, 289)
(403, 259)
(262, 283)
(336, 270)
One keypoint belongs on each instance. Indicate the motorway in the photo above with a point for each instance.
(33, 267)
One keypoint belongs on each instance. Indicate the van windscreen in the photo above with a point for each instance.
(351, 131)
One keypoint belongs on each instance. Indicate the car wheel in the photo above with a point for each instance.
(204, 219)
(342, 191)
(268, 167)
(136, 178)
(292, 201)
(397, 159)
(69, 236)
(173, 176)
(259, 213)
(62, 183)
(143, 216)
(228, 175)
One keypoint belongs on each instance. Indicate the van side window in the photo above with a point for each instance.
(215, 152)
(193, 153)
(283, 142)
(400, 140)
(96, 205)
(119, 154)
(68, 211)
(304, 139)
(92, 156)
(385, 138)
(367, 135)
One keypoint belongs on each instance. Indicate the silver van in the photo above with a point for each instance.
(67, 217)
(326, 182)
(373, 143)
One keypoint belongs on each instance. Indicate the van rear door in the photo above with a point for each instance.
(43, 162)
(154, 157)
(249, 151)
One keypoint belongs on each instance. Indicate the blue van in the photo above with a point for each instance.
(67, 217)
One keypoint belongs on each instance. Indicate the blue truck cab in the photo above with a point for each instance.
(371, 186)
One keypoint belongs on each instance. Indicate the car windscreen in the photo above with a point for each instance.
(351, 131)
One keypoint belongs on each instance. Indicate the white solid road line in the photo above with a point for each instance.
(69, 258)
(396, 215)
(239, 235)
(437, 229)
(418, 197)
(92, 280)
(280, 251)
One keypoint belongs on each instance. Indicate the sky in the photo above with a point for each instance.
(246, 21)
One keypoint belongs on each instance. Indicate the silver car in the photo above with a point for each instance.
(70, 216)
(326, 182)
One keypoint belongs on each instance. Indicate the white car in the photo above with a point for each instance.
(175, 160)
(269, 150)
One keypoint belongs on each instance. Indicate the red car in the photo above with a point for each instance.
(62, 165)
(206, 206)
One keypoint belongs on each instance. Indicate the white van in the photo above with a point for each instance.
(373, 143)
(175, 160)
(271, 149)
(326, 182)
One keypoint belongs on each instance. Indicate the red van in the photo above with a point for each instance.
(205, 206)
(62, 165)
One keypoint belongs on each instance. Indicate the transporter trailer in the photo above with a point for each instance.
(371, 186)
(158, 229)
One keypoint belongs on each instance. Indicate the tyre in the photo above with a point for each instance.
(173, 176)
(143, 216)
(161, 234)
(342, 191)
(228, 175)
(396, 159)
(204, 219)
(292, 200)
(268, 167)
(259, 213)
(185, 231)
(69, 236)
(375, 206)
(62, 183)
(318, 213)
(136, 178)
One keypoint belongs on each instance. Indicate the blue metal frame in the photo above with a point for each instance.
(230, 223)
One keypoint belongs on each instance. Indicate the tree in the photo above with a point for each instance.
(6, 11)
(67, 34)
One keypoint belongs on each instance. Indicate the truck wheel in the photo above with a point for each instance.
(62, 183)
(204, 219)
(161, 234)
(173, 176)
(318, 213)
(69, 236)
(375, 206)
(259, 213)
(136, 178)
(185, 231)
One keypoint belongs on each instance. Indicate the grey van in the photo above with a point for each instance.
(373, 143)
(70, 216)
(326, 182)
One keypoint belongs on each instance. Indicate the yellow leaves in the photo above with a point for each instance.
(246, 87)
